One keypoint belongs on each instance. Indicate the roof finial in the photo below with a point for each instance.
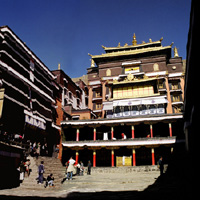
(134, 42)
(58, 66)
(103, 47)
(176, 52)
(92, 63)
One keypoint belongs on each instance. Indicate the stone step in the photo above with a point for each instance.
(125, 169)
(52, 165)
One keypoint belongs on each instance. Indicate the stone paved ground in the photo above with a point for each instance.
(111, 182)
(97, 182)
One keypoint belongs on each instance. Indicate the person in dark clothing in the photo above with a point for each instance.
(161, 165)
(49, 180)
(89, 168)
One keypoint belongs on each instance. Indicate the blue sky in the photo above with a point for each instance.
(65, 31)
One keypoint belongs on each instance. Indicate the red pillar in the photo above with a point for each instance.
(153, 156)
(134, 158)
(94, 137)
(151, 130)
(170, 129)
(94, 158)
(77, 154)
(77, 134)
(133, 132)
(112, 133)
(112, 158)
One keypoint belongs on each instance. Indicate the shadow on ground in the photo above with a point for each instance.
(174, 184)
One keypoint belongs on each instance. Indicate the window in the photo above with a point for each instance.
(65, 92)
(65, 102)
(177, 109)
(135, 111)
(176, 98)
(117, 111)
(156, 67)
(70, 95)
(78, 102)
(126, 111)
(161, 84)
(160, 109)
(31, 76)
(32, 68)
(30, 97)
(152, 109)
(143, 110)
(98, 94)
(98, 106)
(174, 86)
(108, 72)
(109, 114)
(133, 91)
(32, 65)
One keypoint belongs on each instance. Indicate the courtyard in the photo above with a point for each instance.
(115, 181)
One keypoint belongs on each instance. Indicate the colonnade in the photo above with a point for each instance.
(132, 131)
(112, 149)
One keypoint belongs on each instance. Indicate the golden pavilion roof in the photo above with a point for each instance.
(130, 52)
(134, 45)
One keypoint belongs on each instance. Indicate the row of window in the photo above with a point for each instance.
(123, 111)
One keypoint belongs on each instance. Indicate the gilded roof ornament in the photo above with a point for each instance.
(119, 45)
(150, 40)
(134, 42)
(161, 39)
(103, 46)
(58, 66)
(176, 52)
(130, 77)
(92, 63)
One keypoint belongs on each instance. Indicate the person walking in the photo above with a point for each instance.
(38, 150)
(22, 170)
(81, 168)
(70, 169)
(161, 165)
(41, 172)
(89, 168)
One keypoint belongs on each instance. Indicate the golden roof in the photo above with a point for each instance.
(134, 44)
(130, 52)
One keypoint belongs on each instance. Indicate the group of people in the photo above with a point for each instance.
(24, 169)
(37, 149)
(72, 167)
(10, 138)
(40, 179)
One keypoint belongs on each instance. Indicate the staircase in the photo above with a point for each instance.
(51, 165)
